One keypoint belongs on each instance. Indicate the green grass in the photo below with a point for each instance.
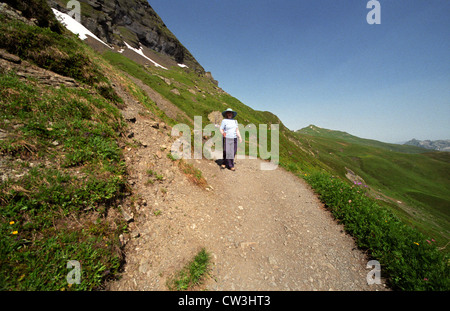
(62, 169)
(409, 259)
(69, 175)
(192, 274)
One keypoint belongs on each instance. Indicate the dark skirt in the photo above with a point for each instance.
(229, 151)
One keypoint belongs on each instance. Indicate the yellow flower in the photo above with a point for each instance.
(11, 222)
(416, 243)
(15, 232)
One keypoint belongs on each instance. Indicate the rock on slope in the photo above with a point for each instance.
(441, 145)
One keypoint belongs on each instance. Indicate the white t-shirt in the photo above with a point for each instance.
(229, 126)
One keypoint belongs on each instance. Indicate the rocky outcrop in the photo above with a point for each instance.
(31, 12)
(441, 145)
(12, 14)
(210, 77)
(133, 21)
(25, 70)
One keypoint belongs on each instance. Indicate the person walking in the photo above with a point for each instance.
(230, 132)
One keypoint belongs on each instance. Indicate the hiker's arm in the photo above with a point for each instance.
(239, 134)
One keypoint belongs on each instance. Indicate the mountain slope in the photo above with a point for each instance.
(62, 175)
(121, 22)
(413, 181)
(332, 134)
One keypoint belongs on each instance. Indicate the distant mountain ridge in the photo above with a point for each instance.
(441, 145)
(314, 130)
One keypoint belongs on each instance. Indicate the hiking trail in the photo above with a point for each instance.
(265, 230)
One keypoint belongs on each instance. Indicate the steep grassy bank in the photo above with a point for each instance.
(66, 176)
(62, 172)
(409, 259)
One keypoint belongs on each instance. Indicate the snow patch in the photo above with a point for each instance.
(75, 27)
(141, 52)
(183, 66)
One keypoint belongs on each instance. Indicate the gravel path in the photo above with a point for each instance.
(266, 230)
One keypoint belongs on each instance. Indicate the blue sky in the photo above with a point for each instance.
(319, 61)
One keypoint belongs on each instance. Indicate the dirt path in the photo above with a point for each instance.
(266, 230)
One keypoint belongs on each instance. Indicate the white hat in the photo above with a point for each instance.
(229, 110)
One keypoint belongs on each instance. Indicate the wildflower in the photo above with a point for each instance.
(11, 222)
(15, 232)
(432, 240)
(425, 279)
(416, 243)
(349, 201)
(428, 242)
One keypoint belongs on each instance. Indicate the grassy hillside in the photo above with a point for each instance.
(62, 174)
(395, 173)
(313, 130)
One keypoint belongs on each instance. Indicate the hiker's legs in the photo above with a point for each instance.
(229, 147)
(224, 153)
(235, 151)
(225, 158)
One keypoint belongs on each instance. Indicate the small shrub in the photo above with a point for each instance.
(194, 174)
(192, 274)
